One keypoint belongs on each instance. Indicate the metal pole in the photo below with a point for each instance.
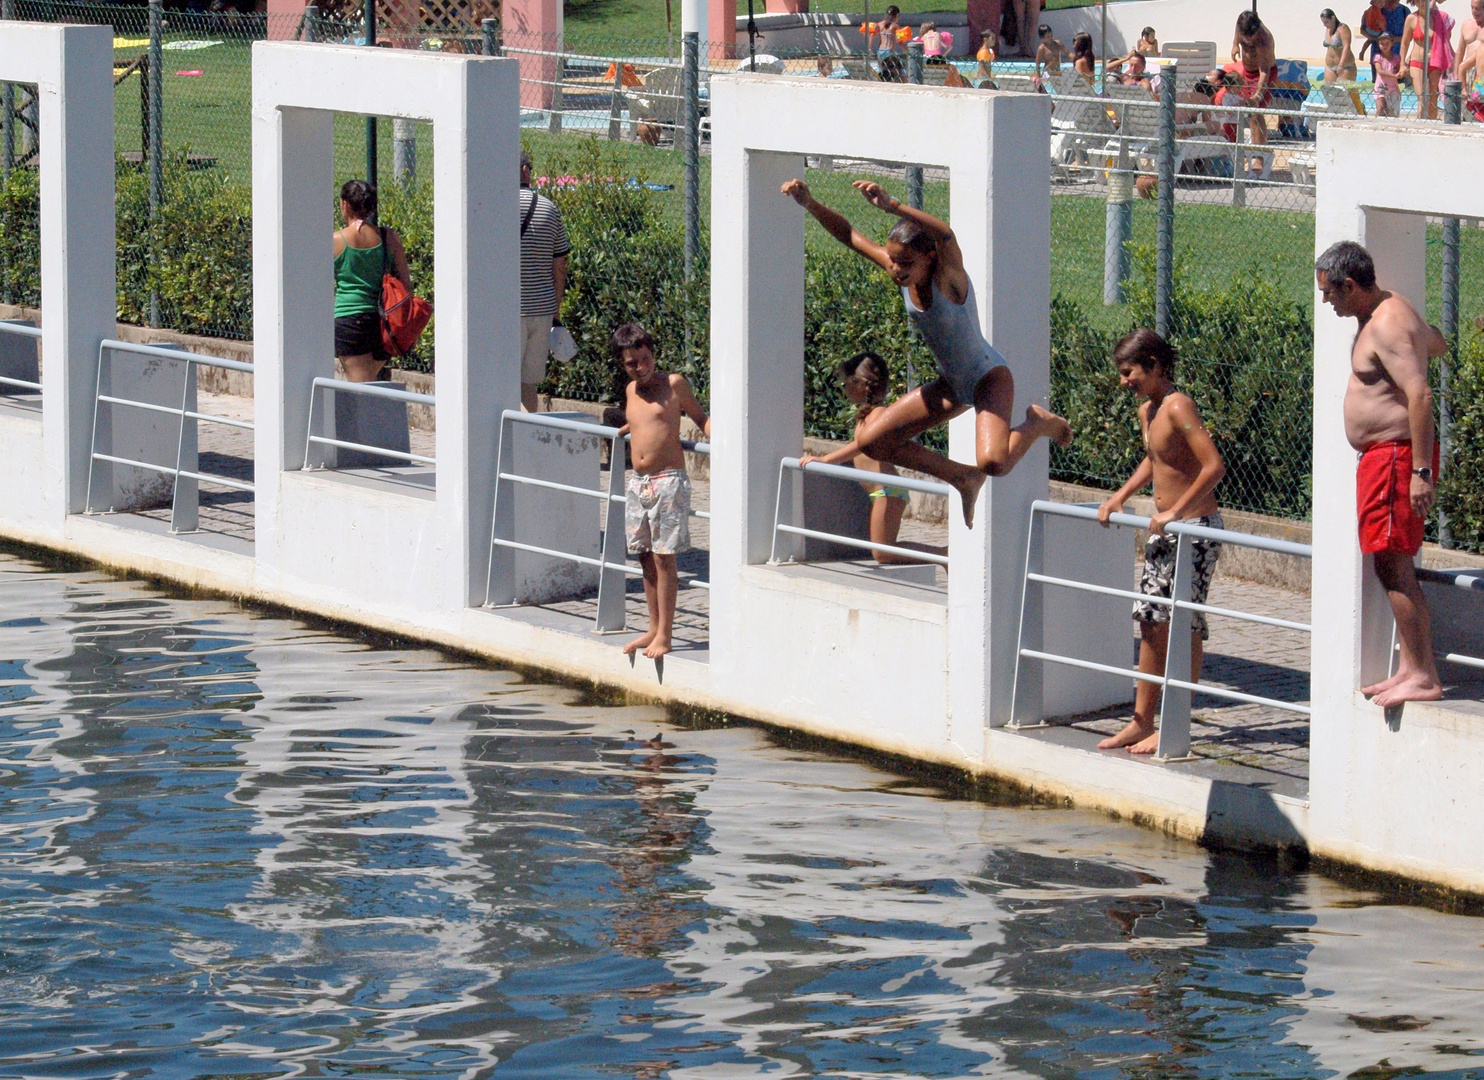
(1164, 255)
(914, 172)
(371, 157)
(1118, 228)
(1102, 45)
(615, 107)
(751, 38)
(156, 143)
(1239, 163)
(311, 23)
(1424, 95)
(690, 77)
(7, 104)
(492, 45)
(1452, 114)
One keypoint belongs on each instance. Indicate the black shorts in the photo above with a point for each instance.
(358, 334)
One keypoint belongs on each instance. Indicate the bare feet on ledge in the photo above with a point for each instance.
(1416, 687)
(968, 490)
(658, 647)
(1385, 684)
(1049, 424)
(643, 641)
(1137, 737)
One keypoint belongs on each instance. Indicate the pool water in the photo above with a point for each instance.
(232, 844)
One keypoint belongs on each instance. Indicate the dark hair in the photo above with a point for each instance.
(870, 369)
(630, 336)
(912, 235)
(1326, 15)
(1248, 23)
(1082, 45)
(892, 11)
(1148, 31)
(1144, 347)
(1044, 29)
(1347, 259)
(360, 196)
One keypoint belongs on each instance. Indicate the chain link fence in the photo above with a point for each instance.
(1198, 219)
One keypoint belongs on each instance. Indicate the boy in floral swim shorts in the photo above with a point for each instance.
(1185, 467)
(657, 510)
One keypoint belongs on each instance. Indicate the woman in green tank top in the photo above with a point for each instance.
(360, 261)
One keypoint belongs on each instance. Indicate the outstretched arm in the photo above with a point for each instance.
(689, 405)
(834, 457)
(1114, 503)
(835, 224)
(950, 255)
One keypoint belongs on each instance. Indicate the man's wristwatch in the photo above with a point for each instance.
(1425, 472)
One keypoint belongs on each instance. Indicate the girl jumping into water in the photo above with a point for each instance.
(923, 258)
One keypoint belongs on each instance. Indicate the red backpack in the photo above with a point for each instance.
(403, 316)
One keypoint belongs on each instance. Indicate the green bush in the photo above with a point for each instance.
(20, 237)
(1246, 357)
(1461, 486)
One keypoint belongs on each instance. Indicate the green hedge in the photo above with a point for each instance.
(1461, 487)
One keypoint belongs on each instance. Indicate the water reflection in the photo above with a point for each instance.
(234, 845)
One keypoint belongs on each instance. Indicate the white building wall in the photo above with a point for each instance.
(1398, 792)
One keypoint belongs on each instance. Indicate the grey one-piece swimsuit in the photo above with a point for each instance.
(953, 337)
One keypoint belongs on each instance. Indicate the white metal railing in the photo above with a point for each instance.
(1174, 724)
(1470, 580)
(20, 329)
(185, 498)
(860, 476)
(612, 573)
(389, 393)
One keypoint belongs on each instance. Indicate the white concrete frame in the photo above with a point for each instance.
(993, 145)
(1403, 795)
(72, 67)
(314, 531)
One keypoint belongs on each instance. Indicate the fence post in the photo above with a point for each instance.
(7, 103)
(690, 92)
(404, 151)
(914, 172)
(1239, 161)
(1164, 252)
(1452, 114)
(615, 107)
(371, 156)
(1118, 228)
(156, 150)
(492, 45)
(1174, 707)
(554, 115)
(311, 23)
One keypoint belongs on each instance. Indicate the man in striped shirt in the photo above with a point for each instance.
(543, 280)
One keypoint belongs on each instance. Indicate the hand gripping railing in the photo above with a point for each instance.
(185, 499)
(859, 476)
(365, 390)
(1174, 723)
(1459, 579)
(611, 572)
(20, 330)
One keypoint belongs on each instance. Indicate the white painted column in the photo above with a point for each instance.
(75, 82)
(1001, 213)
(293, 292)
(477, 334)
(693, 18)
(757, 363)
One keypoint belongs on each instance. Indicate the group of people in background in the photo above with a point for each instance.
(1413, 45)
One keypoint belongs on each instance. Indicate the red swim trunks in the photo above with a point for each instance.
(1383, 498)
(1248, 90)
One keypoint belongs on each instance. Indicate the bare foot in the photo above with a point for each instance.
(1384, 685)
(1136, 731)
(1146, 746)
(640, 642)
(658, 647)
(968, 490)
(1052, 426)
(1416, 687)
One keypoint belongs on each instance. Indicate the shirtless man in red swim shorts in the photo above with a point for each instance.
(1388, 419)
(1255, 62)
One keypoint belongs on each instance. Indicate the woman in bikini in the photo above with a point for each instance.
(1339, 61)
(922, 257)
(864, 377)
(1440, 55)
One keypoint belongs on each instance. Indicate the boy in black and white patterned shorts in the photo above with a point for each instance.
(1184, 466)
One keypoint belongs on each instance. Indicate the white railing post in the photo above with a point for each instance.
(1026, 697)
(500, 590)
(1174, 711)
(185, 504)
(612, 582)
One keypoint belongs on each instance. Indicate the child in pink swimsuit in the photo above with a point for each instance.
(1388, 77)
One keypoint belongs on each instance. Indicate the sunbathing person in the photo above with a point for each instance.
(922, 257)
(864, 377)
